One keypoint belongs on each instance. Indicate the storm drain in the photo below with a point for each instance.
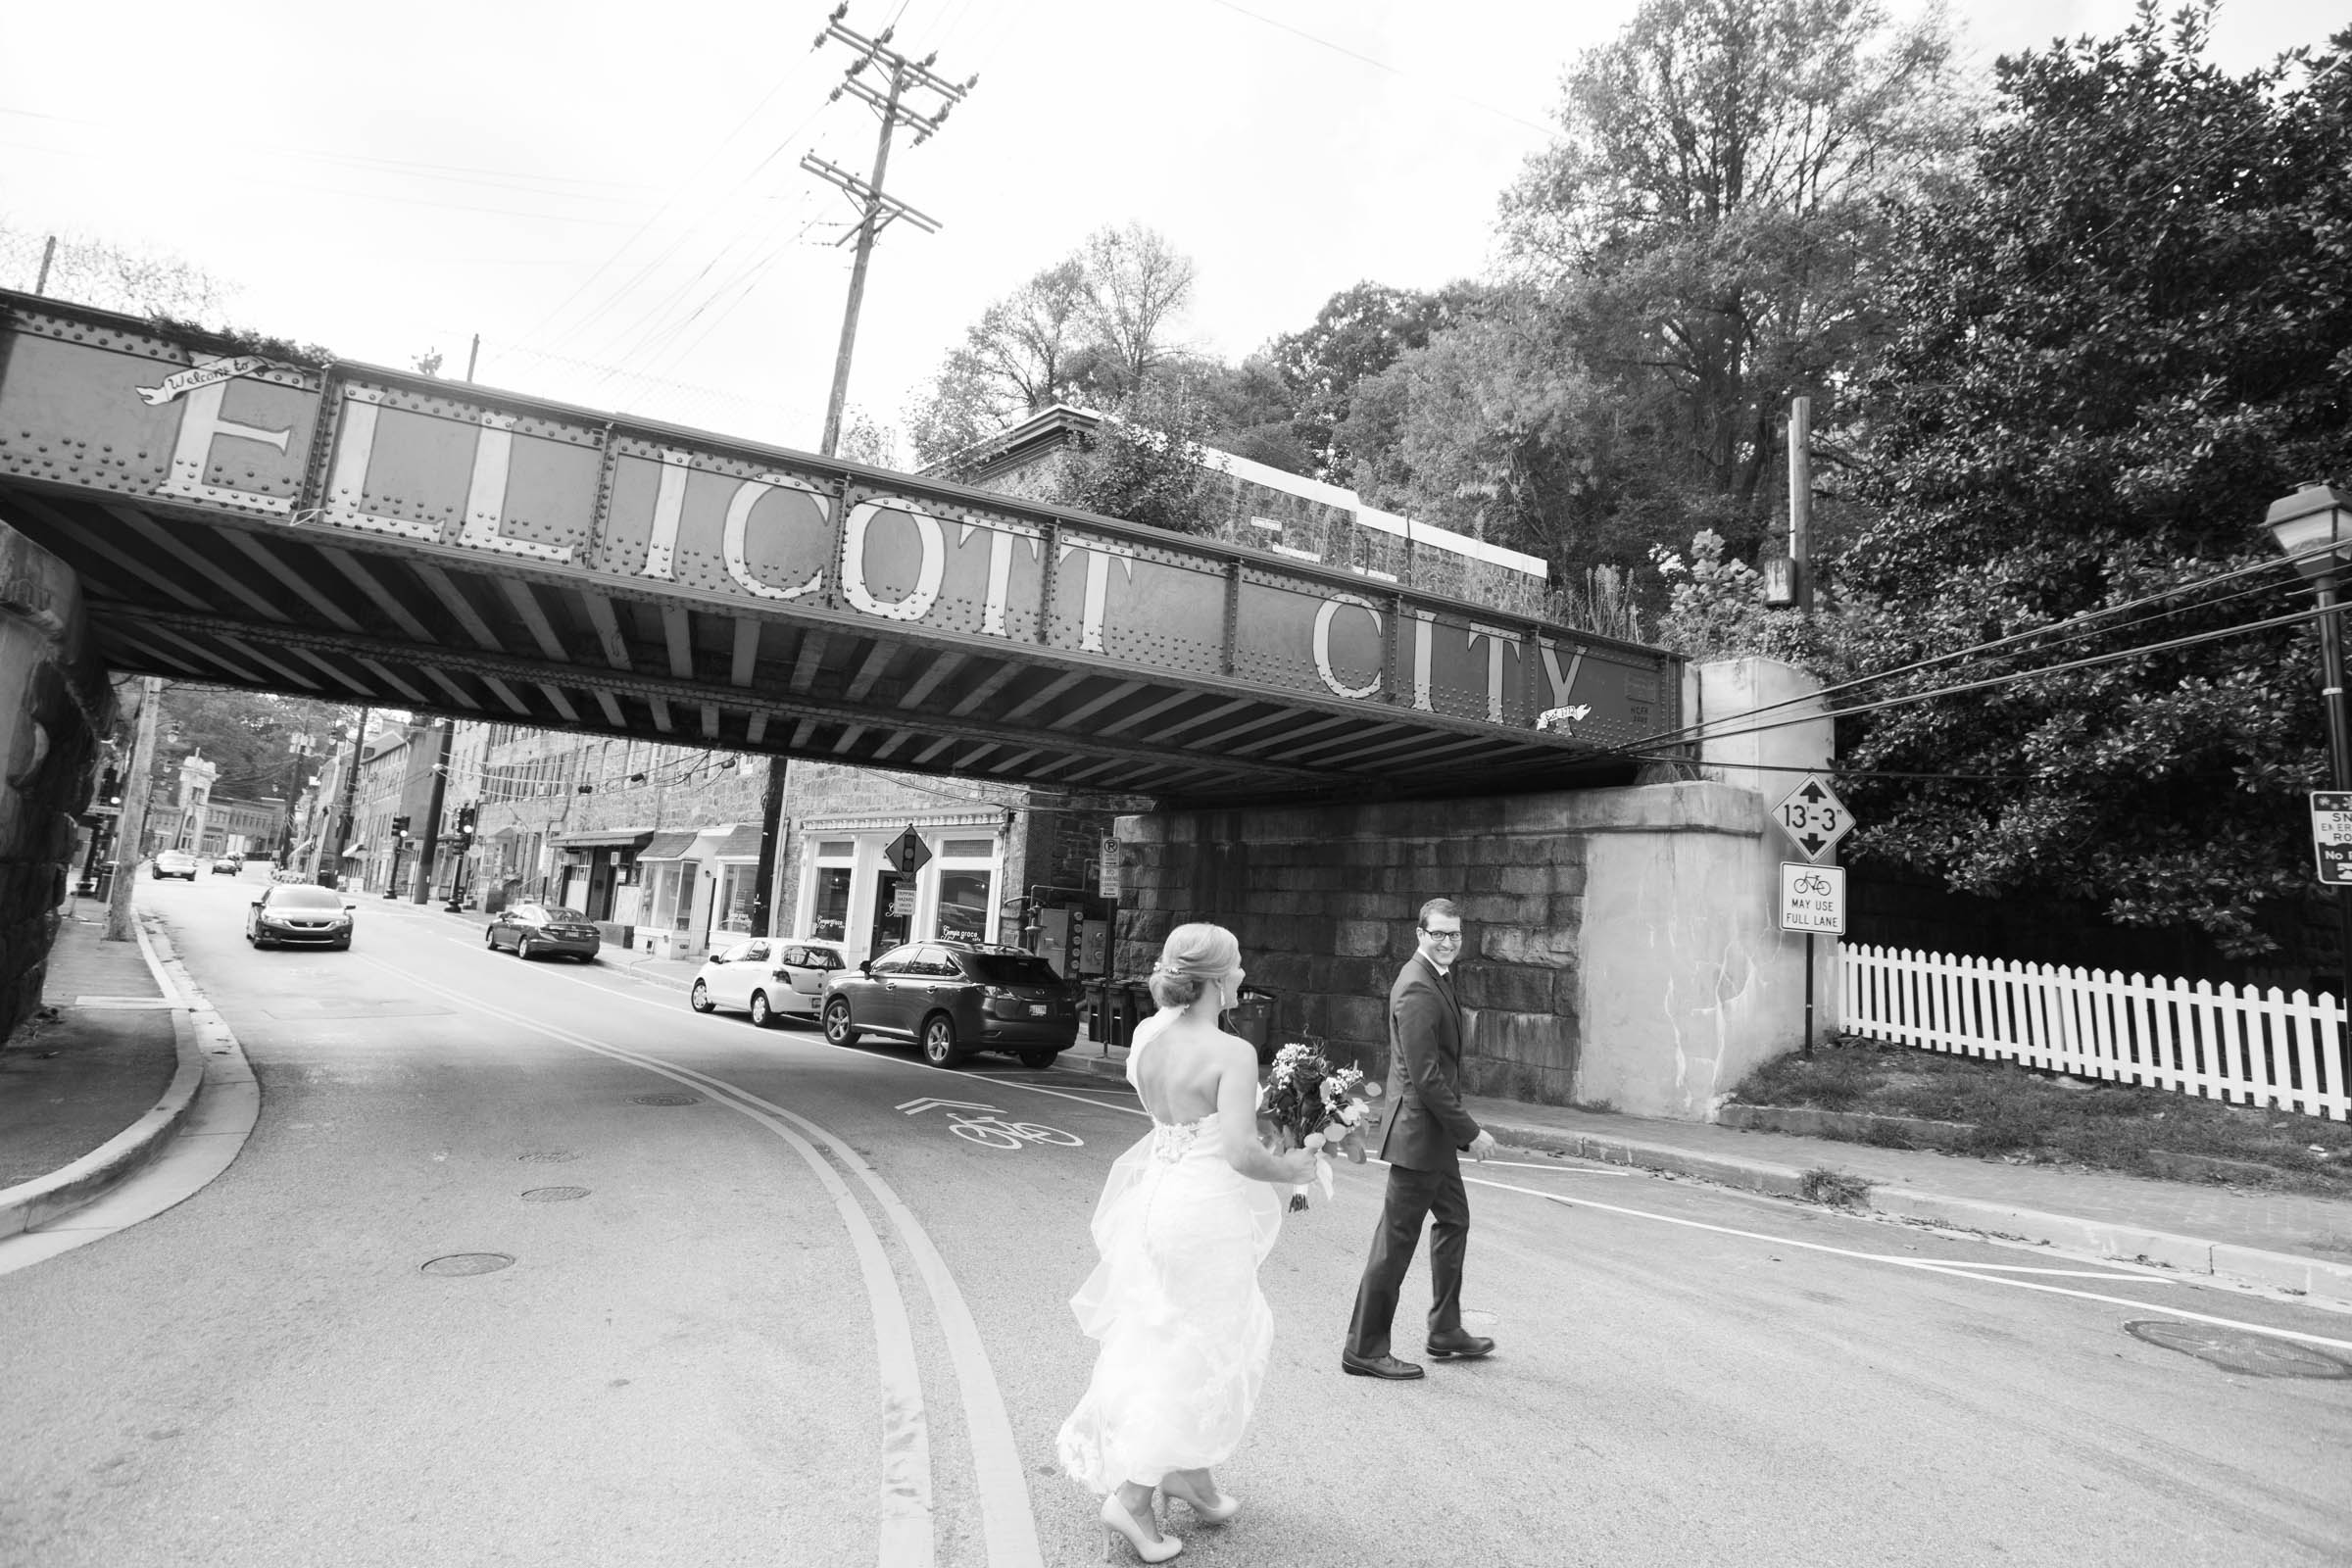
(554, 1195)
(2256, 1355)
(469, 1264)
(666, 1100)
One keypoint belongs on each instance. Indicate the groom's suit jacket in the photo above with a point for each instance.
(1426, 1120)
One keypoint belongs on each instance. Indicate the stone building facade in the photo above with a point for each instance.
(59, 709)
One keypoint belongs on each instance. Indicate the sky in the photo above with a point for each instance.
(610, 197)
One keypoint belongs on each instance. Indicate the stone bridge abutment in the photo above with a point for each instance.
(1625, 942)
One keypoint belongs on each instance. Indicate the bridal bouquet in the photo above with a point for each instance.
(1315, 1107)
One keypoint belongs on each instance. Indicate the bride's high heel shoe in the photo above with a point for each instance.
(1214, 1512)
(1115, 1517)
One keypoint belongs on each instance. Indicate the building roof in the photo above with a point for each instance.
(1048, 427)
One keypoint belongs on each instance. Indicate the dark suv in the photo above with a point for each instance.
(956, 998)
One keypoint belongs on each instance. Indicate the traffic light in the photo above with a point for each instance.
(110, 787)
(466, 819)
(400, 827)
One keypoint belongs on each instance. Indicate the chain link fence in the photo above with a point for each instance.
(106, 275)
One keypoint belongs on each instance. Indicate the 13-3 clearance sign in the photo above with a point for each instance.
(370, 454)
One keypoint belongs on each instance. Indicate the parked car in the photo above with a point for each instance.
(768, 977)
(956, 998)
(543, 930)
(227, 864)
(172, 862)
(299, 915)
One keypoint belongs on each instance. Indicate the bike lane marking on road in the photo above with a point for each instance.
(1009, 1527)
(1950, 1268)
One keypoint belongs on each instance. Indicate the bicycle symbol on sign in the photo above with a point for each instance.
(1811, 885)
(983, 1125)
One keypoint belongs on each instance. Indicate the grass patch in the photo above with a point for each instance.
(1836, 1187)
(2021, 1115)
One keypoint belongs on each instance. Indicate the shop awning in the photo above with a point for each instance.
(667, 847)
(359, 848)
(628, 838)
(743, 844)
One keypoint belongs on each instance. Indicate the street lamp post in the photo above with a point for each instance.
(2314, 527)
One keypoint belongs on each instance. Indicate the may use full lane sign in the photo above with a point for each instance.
(2332, 835)
(1813, 899)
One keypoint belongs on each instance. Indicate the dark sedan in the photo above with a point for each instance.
(543, 931)
(299, 915)
(956, 998)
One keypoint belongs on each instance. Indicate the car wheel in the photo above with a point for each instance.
(1041, 1056)
(522, 946)
(490, 938)
(939, 1041)
(699, 999)
(838, 1028)
(762, 1015)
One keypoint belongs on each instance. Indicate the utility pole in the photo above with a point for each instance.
(1801, 499)
(40, 284)
(875, 211)
(351, 788)
(432, 817)
(131, 826)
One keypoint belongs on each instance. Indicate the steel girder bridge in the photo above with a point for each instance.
(241, 515)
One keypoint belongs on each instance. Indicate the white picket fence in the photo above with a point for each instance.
(2253, 1046)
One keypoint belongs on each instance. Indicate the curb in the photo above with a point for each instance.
(45, 1200)
(2191, 1254)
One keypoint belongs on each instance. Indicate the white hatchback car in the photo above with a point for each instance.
(768, 977)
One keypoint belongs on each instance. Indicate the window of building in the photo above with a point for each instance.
(829, 914)
(964, 905)
(736, 885)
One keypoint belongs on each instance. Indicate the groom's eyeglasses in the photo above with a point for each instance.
(1441, 935)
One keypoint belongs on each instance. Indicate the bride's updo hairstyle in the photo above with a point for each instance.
(1193, 956)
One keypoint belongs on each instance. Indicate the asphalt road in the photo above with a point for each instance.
(797, 1318)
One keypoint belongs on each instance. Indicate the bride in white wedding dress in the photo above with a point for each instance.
(1185, 1219)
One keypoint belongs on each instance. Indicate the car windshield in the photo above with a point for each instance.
(287, 896)
(1009, 969)
(558, 913)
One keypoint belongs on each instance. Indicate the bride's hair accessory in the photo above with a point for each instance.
(1192, 956)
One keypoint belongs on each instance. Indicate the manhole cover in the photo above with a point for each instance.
(469, 1264)
(2237, 1350)
(554, 1195)
(666, 1100)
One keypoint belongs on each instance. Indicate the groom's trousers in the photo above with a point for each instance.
(1412, 1194)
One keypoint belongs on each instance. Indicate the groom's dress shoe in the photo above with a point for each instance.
(1378, 1366)
(1460, 1348)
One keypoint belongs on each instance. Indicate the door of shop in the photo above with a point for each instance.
(894, 910)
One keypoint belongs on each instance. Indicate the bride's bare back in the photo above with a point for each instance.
(1185, 1069)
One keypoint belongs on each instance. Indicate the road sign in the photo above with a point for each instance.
(2332, 835)
(1813, 899)
(1111, 867)
(1814, 817)
(907, 854)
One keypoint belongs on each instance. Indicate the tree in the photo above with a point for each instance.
(1146, 464)
(1137, 287)
(110, 276)
(1359, 332)
(1697, 247)
(1090, 330)
(2113, 350)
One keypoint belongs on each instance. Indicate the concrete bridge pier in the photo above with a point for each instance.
(55, 709)
(1625, 942)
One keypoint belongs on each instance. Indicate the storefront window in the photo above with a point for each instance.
(682, 912)
(963, 906)
(830, 916)
(736, 884)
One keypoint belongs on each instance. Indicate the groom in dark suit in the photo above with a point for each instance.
(1427, 1125)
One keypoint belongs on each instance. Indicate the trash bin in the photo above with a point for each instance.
(1252, 1016)
(1113, 1009)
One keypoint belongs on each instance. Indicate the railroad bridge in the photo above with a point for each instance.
(339, 530)
(1325, 746)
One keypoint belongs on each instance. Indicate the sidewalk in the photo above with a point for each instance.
(2283, 1239)
(90, 1089)
(95, 1082)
